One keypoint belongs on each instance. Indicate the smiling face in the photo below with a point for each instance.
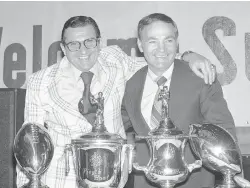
(83, 59)
(158, 42)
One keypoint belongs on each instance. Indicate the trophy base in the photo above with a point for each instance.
(223, 186)
(227, 186)
(30, 185)
(27, 186)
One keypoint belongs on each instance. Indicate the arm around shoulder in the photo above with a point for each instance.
(34, 112)
(125, 118)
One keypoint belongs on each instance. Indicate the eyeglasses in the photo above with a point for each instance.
(75, 46)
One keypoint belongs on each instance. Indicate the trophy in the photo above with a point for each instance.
(219, 152)
(33, 150)
(166, 166)
(98, 155)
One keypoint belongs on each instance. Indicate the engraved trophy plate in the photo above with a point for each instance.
(98, 164)
(97, 155)
(166, 143)
(219, 152)
(33, 150)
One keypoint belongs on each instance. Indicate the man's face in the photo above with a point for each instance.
(83, 59)
(159, 45)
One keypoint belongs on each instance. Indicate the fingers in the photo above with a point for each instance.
(204, 71)
(214, 73)
(198, 73)
(209, 72)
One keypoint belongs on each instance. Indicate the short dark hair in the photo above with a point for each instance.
(80, 21)
(147, 20)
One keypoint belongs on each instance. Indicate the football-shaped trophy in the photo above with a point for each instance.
(33, 150)
(219, 152)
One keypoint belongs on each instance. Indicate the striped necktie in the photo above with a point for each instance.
(156, 109)
(85, 107)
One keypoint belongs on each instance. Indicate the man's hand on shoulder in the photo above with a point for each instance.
(201, 66)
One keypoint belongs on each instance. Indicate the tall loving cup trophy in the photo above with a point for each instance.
(219, 152)
(97, 155)
(166, 166)
(33, 150)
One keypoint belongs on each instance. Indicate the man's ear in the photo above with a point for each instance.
(63, 48)
(100, 43)
(139, 44)
(178, 47)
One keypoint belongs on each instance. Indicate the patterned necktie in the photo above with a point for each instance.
(156, 109)
(85, 107)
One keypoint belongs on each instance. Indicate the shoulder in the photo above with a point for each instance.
(112, 50)
(182, 66)
(46, 72)
(113, 54)
(139, 76)
(185, 77)
(183, 72)
(43, 76)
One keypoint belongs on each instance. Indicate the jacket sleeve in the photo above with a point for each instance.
(125, 118)
(34, 112)
(214, 107)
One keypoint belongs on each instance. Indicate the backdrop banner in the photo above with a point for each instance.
(30, 35)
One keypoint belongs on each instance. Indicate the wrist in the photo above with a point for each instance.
(186, 53)
(178, 56)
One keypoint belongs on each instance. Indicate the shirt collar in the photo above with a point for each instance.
(77, 72)
(167, 74)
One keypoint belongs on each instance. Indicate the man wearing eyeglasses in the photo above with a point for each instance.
(55, 93)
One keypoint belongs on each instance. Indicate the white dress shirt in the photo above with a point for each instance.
(97, 83)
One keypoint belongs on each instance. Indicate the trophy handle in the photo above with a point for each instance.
(196, 164)
(241, 181)
(129, 148)
(136, 165)
(140, 168)
(67, 151)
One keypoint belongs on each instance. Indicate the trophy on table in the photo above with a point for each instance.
(219, 152)
(33, 150)
(166, 166)
(98, 155)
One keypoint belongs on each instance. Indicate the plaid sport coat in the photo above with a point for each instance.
(51, 98)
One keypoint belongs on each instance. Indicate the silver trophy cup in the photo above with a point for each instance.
(219, 152)
(33, 150)
(97, 156)
(167, 166)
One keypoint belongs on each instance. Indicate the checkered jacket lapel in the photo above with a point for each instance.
(58, 102)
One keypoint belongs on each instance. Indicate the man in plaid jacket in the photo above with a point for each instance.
(53, 93)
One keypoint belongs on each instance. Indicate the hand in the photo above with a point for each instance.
(126, 164)
(201, 66)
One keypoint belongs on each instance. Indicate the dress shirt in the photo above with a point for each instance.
(97, 83)
(150, 90)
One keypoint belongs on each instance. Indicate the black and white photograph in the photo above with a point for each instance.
(124, 94)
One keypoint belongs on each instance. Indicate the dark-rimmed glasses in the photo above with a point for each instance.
(75, 46)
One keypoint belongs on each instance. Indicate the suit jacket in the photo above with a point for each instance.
(191, 101)
(52, 97)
